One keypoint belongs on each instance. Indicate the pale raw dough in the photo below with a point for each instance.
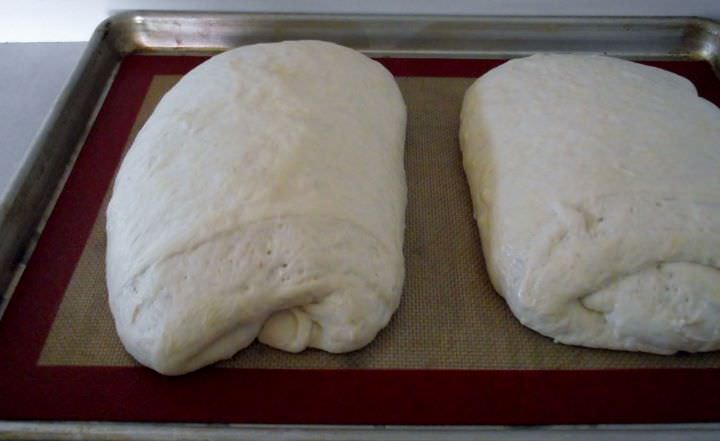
(596, 188)
(265, 196)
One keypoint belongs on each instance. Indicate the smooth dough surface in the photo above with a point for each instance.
(596, 187)
(264, 197)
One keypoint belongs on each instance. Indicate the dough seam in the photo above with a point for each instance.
(230, 231)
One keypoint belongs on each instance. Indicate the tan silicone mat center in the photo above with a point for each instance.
(450, 317)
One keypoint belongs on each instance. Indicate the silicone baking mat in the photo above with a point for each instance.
(453, 353)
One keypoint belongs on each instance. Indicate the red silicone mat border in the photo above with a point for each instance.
(28, 391)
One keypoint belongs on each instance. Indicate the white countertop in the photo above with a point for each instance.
(74, 20)
(32, 75)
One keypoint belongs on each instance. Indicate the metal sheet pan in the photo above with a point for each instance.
(31, 194)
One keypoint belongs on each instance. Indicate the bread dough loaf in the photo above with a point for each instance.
(596, 188)
(265, 196)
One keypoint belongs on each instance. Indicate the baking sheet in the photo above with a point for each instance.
(33, 388)
(450, 316)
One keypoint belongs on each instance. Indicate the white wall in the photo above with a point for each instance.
(74, 20)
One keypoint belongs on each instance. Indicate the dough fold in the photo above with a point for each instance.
(264, 198)
(596, 188)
